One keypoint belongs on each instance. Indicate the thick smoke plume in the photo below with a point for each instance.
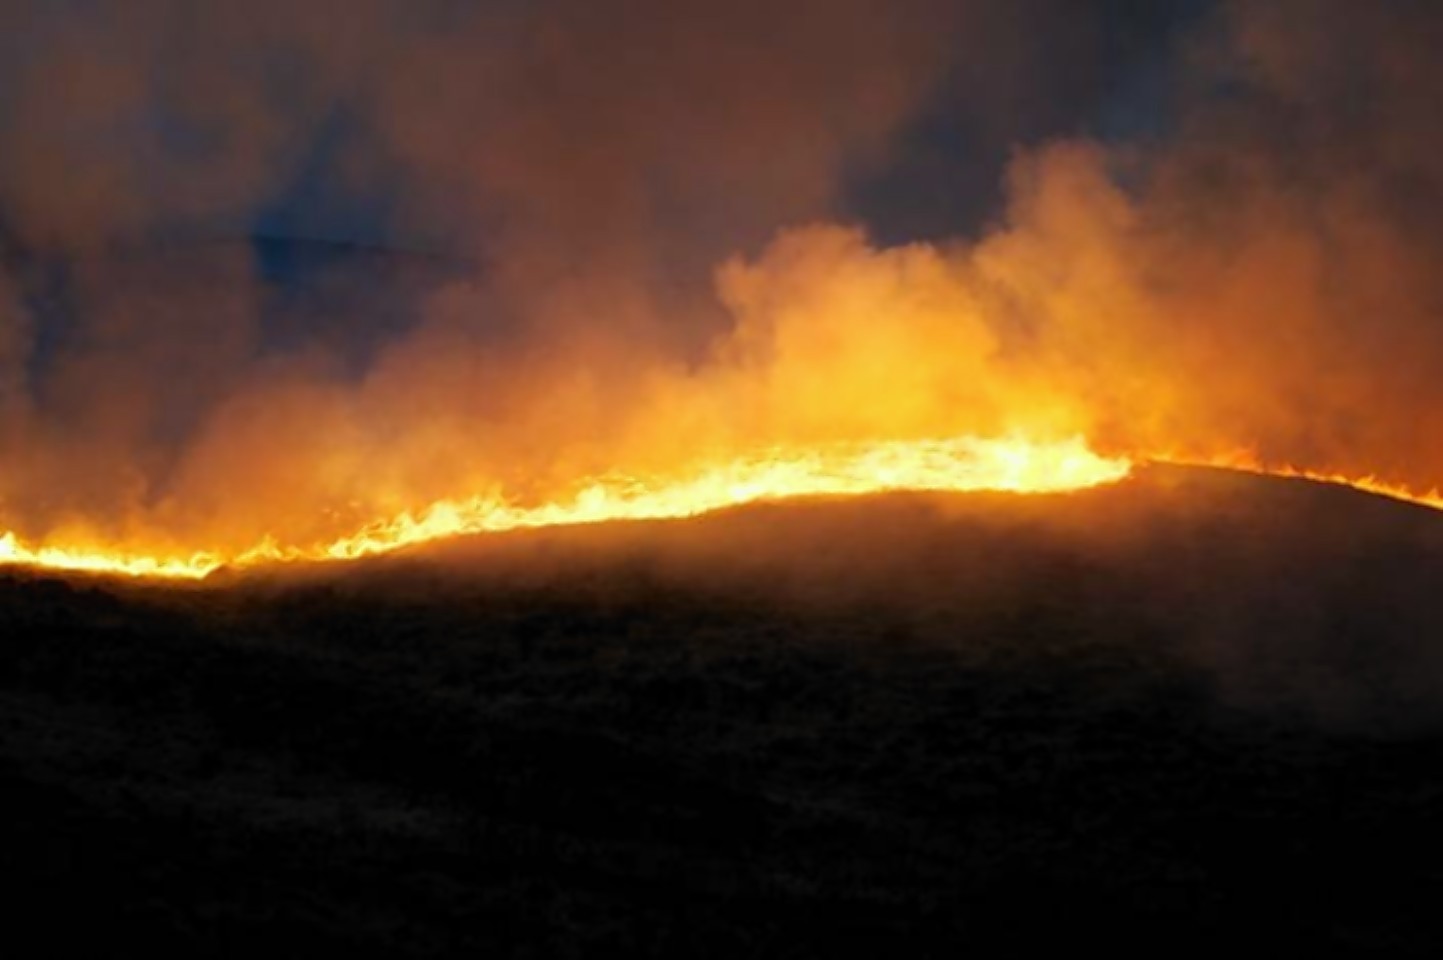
(653, 201)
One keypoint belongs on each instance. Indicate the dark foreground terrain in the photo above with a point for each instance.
(1190, 713)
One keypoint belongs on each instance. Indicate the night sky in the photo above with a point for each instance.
(294, 143)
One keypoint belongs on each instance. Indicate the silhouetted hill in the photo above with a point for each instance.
(1172, 716)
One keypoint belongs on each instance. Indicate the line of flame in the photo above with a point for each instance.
(962, 464)
(1246, 461)
(956, 465)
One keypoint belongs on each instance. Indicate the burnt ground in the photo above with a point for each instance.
(1192, 712)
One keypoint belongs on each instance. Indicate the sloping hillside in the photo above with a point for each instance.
(1168, 715)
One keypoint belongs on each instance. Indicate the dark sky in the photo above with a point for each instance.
(1113, 61)
(1108, 68)
(132, 121)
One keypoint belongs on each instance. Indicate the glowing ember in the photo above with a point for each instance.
(839, 470)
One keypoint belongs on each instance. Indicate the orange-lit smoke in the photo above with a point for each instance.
(1261, 279)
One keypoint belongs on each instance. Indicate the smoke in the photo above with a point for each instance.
(1263, 280)
(595, 163)
(655, 198)
(1260, 279)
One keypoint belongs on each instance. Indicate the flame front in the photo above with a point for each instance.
(957, 465)
(836, 470)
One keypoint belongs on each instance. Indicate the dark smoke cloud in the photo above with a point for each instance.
(580, 123)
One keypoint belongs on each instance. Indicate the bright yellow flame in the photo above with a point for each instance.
(100, 560)
(966, 464)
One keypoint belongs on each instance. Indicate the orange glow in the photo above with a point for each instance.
(1024, 351)
(823, 471)
(102, 560)
(836, 470)
(1249, 463)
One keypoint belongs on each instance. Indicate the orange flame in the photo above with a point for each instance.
(1249, 462)
(855, 469)
(966, 464)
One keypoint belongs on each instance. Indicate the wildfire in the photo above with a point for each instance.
(99, 560)
(966, 464)
(953, 465)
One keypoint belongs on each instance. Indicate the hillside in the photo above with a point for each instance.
(1161, 716)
